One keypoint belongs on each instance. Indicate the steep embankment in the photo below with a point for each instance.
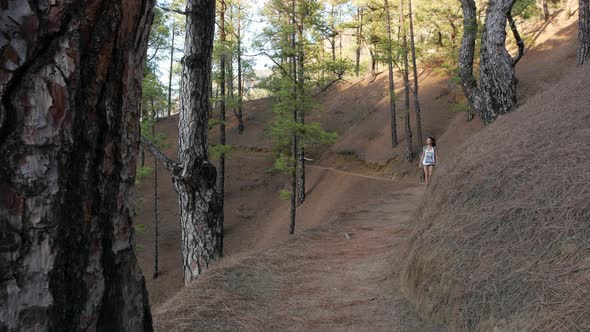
(503, 238)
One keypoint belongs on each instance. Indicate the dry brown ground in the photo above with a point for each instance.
(319, 280)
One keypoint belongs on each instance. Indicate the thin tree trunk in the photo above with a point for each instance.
(301, 84)
(416, 83)
(544, 9)
(222, 105)
(229, 79)
(359, 41)
(391, 82)
(230, 82)
(340, 35)
(171, 69)
(323, 51)
(69, 125)
(333, 31)
(240, 83)
(216, 99)
(210, 103)
(156, 214)
(584, 32)
(294, 148)
(373, 62)
(406, 77)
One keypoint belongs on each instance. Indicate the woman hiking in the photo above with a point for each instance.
(428, 158)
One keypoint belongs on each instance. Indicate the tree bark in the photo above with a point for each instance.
(496, 93)
(467, 56)
(416, 83)
(406, 75)
(584, 32)
(70, 89)
(392, 114)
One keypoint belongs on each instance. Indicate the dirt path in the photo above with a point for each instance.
(309, 164)
(339, 276)
(361, 175)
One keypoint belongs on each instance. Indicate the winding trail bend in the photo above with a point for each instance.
(309, 164)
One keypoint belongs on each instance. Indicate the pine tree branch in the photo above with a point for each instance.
(287, 74)
(172, 165)
(519, 40)
(166, 9)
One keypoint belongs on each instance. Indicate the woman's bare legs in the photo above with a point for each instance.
(430, 169)
(426, 174)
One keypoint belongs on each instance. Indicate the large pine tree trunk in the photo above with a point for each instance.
(201, 209)
(584, 32)
(496, 93)
(389, 50)
(467, 55)
(497, 76)
(69, 126)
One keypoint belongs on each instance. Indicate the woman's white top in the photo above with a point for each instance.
(429, 157)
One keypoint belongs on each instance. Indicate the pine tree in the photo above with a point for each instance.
(389, 51)
(194, 177)
(406, 77)
(495, 94)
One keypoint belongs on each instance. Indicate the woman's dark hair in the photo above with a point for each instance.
(433, 140)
